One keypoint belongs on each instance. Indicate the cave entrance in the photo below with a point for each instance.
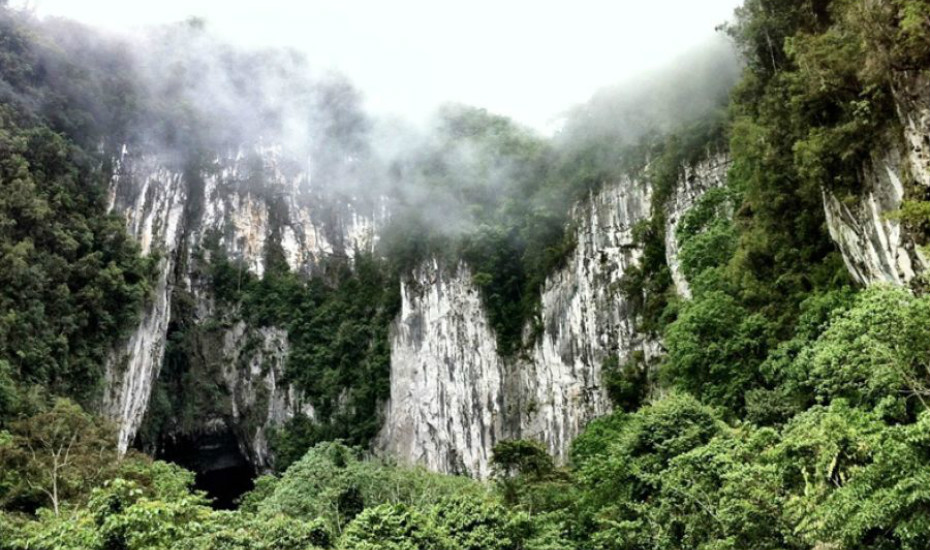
(222, 471)
(226, 485)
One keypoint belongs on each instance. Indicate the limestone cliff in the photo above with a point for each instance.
(247, 201)
(875, 245)
(585, 320)
(695, 181)
(447, 404)
(453, 396)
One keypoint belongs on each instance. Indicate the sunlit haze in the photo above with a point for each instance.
(530, 60)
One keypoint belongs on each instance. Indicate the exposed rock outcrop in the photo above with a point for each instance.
(452, 394)
(453, 397)
(447, 404)
(697, 180)
(875, 245)
(585, 320)
(253, 362)
(155, 217)
(248, 203)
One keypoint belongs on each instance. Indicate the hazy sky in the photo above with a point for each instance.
(527, 59)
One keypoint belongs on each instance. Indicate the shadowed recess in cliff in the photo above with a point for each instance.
(222, 470)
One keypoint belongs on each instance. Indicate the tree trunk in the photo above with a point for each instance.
(55, 486)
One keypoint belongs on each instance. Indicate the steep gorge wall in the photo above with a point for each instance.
(447, 406)
(449, 422)
(154, 216)
(875, 245)
(453, 397)
(553, 392)
(585, 320)
(248, 201)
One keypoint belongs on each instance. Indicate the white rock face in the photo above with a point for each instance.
(453, 397)
(259, 401)
(156, 223)
(697, 180)
(246, 200)
(241, 213)
(447, 379)
(875, 247)
(585, 321)
(912, 97)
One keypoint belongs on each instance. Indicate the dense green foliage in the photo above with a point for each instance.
(71, 280)
(814, 104)
(331, 498)
(335, 483)
(746, 486)
(789, 412)
(337, 329)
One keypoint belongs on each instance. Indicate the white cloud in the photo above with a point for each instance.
(526, 59)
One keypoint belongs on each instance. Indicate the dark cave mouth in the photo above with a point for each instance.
(225, 486)
(221, 470)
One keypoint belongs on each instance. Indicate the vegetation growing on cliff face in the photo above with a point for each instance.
(337, 328)
(791, 411)
(815, 103)
(499, 197)
(71, 280)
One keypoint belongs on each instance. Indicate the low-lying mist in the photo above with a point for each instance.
(178, 92)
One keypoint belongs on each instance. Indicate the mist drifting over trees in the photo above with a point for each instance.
(781, 401)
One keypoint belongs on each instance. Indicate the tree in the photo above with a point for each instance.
(143, 523)
(622, 464)
(241, 531)
(518, 464)
(71, 279)
(521, 457)
(721, 495)
(9, 399)
(856, 482)
(61, 453)
(391, 527)
(715, 348)
(876, 352)
(335, 483)
(474, 523)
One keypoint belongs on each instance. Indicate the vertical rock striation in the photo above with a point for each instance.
(252, 365)
(453, 397)
(697, 180)
(250, 203)
(585, 320)
(875, 245)
(447, 379)
(155, 210)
